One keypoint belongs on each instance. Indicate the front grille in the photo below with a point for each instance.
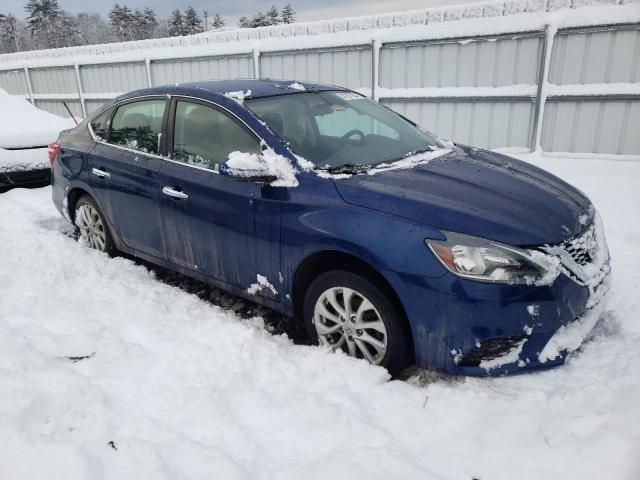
(490, 349)
(582, 248)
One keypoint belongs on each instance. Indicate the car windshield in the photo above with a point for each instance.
(337, 129)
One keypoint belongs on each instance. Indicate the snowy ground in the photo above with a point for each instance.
(177, 388)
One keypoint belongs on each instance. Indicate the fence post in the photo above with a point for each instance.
(375, 68)
(256, 62)
(147, 66)
(541, 95)
(76, 67)
(29, 87)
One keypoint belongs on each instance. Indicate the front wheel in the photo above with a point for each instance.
(345, 311)
(93, 228)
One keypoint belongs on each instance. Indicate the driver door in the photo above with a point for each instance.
(209, 221)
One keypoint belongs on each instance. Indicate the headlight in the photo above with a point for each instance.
(488, 261)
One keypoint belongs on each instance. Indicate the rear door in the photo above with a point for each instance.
(123, 170)
(209, 221)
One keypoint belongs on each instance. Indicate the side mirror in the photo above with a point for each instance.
(246, 174)
(247, 167)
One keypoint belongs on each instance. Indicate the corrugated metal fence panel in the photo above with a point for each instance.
(193, 69)
(486, 62)
(119, 77)
(53, 80)
(348, 67)
(597, 126)
(57, 107)
(483, 124)
(93, 105)
(596, 56)
(14, 82)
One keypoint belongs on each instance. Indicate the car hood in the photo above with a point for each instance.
(476, 192)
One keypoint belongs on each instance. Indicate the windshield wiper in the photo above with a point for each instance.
(402, 157)
(349, 168)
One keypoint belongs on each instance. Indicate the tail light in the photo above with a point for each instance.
(53, 150)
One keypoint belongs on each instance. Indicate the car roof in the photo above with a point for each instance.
(259, 88)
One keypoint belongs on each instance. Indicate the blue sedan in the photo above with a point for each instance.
(389, 243)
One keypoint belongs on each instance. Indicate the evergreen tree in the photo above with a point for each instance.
(218, 21)
(8, 34)
(149, 22)
(43, 18)
(259, 20)
(288, 14)
(192, 22)
(244, 22)
(176, 23)
(120, 20)
(272, 17)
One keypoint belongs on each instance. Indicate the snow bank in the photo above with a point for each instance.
(23, 125)
(570, 337)
(178, 388)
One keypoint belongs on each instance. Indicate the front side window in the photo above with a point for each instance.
(337, 128)
(100, 124)
(138, 125)
(204, 136)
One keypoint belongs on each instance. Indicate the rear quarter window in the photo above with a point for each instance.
(100, 124)
(138, 125)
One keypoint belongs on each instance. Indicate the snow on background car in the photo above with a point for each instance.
(107, 372)
(23, 127)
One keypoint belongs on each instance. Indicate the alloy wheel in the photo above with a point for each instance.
(345, 319)
(91, 227)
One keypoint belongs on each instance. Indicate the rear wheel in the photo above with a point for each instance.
(93, 228)
(345, 311)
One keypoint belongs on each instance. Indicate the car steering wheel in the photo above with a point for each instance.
(347, 136)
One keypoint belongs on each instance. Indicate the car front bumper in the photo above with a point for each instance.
(463, 327)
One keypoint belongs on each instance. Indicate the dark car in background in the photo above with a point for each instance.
(387, 242)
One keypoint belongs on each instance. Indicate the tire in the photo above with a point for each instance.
(92, 226)
(326, 324)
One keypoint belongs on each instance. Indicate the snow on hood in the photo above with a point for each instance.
(23, 125)
(410, 161)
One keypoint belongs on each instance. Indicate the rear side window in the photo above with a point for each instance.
(100, 124)
(205, 137)
(138, 125)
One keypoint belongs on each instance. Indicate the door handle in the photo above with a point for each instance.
(100, 173)
(174, 193)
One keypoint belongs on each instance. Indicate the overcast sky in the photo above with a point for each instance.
(233, 9)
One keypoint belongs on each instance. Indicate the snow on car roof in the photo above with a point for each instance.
(259, 87)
